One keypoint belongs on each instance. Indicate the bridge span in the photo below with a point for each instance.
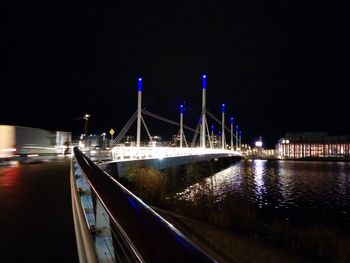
(161, 157)
(136, 153)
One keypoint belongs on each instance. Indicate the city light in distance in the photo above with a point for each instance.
(258, 144)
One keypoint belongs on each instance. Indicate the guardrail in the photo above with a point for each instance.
(132, 153)
(113, 225)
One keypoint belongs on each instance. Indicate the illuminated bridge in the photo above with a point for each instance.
(110, 223)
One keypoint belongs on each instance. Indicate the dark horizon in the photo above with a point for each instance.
(279, 67)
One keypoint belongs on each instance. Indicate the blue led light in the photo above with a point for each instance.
(236, 127)
(212, 128)
(133, 203)
(204, 81)
(181, 108)
(139, 84)
(231, 120)
(181, 240)
(200, 120)
(223, 107)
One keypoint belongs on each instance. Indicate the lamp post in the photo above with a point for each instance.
(103, 140)
(86, 119)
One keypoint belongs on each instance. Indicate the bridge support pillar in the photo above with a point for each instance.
(139, 101)
(181, 124)
(204, 111)
(231, 131)
(236, 137)
(223, 143)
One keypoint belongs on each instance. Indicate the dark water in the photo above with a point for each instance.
(299, 193)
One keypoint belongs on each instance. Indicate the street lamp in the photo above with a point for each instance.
(86, 118)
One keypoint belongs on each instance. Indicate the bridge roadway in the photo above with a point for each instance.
(36, 222)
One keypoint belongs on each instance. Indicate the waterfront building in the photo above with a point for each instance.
(312, 145)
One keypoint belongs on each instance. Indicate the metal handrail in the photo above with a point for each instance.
(85, 244)
(146, 236)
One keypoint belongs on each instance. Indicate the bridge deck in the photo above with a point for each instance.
(36, 222)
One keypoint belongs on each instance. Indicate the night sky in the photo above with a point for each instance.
(280, 66)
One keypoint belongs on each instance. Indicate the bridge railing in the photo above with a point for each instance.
(132, 153)
(113, 225)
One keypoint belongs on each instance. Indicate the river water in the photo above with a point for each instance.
(296, 192)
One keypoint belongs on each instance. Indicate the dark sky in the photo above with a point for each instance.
(280, 66)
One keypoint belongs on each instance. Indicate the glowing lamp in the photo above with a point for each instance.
(181, 108)
(204, 81)
(139, 84)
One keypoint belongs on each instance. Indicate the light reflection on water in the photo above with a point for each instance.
(217, 185)
(299, 191)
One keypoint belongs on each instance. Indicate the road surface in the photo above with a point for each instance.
(36, 222)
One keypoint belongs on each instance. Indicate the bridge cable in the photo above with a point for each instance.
(194, 139)
(125, 129)
(144, 124)
(219, 122)
(166, 120)
(210, 143)
(184, 137)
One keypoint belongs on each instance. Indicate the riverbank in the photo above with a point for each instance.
(225, 246)
(311, 159)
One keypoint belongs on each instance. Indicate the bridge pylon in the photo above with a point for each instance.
(139, 102)
(204, 111)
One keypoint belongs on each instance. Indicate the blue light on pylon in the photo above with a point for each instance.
(200, 120)
(236, 127)
(181, 108)
(204, 81)
(212, 128)
(223, 107)
(231, 120)
(139, 84)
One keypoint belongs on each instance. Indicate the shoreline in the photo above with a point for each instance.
(225, 246)
(311, 159)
